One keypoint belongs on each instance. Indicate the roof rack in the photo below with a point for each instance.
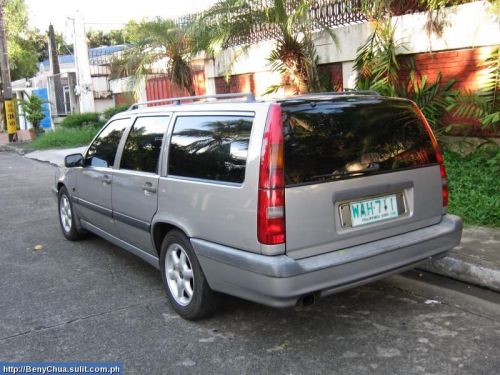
(334, 93)
(249, 97)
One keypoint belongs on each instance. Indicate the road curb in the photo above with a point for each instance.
(476, 260)
(10, 148)
(468, 272)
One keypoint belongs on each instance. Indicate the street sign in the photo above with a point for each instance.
(10, 115)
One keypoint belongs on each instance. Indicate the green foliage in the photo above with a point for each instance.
(432, 98)
(294, 55)
(376, 61)
(378, 69)
(65, 137)
(78, 120)
(152, 41)
(26, 45)
(22, 54)
(110, 112)
(376, 9)
(437, 4)
(97, 38)
(483, 104)
(473, 184)
(33, 109)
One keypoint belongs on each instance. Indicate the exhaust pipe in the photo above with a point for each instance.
(307, 300)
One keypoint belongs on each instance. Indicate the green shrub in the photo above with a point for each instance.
(473, 184)
(65, 137)
(110, 112)
(77, 120)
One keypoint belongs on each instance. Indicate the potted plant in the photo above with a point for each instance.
(33, 109)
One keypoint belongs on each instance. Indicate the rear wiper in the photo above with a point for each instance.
(335, 175)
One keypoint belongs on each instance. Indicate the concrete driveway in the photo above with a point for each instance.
(91, 301)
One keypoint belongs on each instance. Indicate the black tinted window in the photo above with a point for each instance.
(210, 147)
(103, 150)
(329, 140)
(142, 148)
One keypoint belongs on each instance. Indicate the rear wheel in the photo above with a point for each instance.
(67, 217)
(185, 284)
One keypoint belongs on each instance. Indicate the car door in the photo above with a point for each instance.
(135, 183)
(93, 189)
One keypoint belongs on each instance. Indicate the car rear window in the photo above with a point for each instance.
(352, 137)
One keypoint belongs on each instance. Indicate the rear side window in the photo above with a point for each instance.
(102, 151)
(332, 140)
(210, 147)
(142, 148)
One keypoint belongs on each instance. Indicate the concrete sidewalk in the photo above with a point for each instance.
(55, 157)
(475, 261)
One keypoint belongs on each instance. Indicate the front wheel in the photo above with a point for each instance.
(185, 284)
(67, 216)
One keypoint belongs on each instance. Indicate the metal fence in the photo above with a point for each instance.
(322, 14)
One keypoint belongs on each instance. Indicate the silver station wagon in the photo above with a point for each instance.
(277, 202)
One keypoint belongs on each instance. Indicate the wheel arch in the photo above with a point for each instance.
(160, 229)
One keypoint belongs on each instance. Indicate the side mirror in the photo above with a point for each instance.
(73, 160)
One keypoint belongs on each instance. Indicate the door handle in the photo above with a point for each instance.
(106, 180)
(149, 188)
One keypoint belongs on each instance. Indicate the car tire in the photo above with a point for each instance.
(67, 217)
(185, 284)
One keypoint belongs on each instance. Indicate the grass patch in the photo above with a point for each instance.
(474, 186)
(78, 120)
(65, 138)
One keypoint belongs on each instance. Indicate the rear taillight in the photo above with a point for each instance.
(271, 206)
(439, 158)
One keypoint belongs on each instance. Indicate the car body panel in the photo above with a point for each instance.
(281, 281)
(313, 223)
(93, 197)
(134, 207)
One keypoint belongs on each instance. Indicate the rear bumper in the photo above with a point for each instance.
(280, 281)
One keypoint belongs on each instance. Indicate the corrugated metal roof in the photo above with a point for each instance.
(93, 53)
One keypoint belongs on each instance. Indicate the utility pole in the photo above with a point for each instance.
(56, 72)
(6, 84)
(83, 77)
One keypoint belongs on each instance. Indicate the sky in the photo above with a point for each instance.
(106, 14)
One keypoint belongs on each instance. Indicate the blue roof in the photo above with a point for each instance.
(93, 53)
(105, 50)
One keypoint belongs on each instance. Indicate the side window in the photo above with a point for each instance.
(210, 147)
(102, 151)
(142, 149)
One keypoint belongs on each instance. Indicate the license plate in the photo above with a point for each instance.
(373, 210)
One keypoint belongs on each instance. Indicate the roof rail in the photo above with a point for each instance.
(334, 93)
(249, 97)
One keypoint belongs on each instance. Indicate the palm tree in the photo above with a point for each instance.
(152, 41)
(233, 22)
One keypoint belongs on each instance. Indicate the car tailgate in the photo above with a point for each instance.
(356, 170)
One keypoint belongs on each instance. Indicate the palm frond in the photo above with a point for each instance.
(231, 22)
(151, 42)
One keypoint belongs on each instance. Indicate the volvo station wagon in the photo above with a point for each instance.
(278, 202)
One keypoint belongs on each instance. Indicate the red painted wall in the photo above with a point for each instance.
(164, 88)
(246, 82)
(237, 83)
(461, 65)
(334, 73)
(124, 98)
(464, 66)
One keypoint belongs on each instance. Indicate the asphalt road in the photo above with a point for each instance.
(91, 301)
